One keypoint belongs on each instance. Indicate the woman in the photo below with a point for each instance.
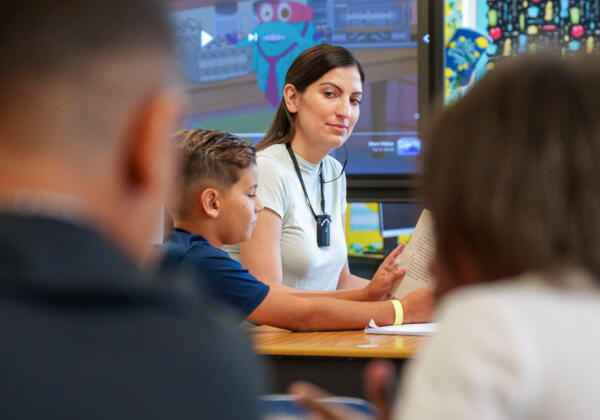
(511, 178)
(302, 188)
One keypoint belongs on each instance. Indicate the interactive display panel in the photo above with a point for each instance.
(233, 56)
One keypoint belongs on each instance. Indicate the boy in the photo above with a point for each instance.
(217, 205)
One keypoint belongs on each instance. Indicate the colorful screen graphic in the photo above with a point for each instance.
(479, 33)
(520, 26)
(234, 55)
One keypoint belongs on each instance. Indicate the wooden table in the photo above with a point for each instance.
(334, 360)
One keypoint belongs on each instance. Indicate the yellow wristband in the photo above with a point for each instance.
(399, 310)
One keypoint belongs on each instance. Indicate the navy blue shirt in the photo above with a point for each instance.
(225, 277)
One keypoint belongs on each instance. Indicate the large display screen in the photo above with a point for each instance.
(234, 55)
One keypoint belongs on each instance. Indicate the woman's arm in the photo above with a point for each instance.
(350, 281)
(261, 254)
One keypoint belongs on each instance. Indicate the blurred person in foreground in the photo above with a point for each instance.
(510, 173)
(85, 110)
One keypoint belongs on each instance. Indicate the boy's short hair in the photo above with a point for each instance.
(209, 158)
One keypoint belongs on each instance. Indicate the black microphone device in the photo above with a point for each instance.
(323, 231)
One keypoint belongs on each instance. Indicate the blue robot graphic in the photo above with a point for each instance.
(284, 31)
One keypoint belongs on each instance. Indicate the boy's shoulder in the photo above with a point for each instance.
(186, 246)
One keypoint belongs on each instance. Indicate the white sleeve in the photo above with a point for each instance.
(272, 190)
(480, 365)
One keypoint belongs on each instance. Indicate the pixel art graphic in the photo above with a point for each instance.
(517, 27)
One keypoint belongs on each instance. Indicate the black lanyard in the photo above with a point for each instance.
(293, 157)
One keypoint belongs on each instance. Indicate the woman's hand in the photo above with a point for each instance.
(386, 275)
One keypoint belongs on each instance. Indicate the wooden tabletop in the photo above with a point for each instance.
(278, 342)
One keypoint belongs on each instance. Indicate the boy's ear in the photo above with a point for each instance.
(208, 202)
(290, 94)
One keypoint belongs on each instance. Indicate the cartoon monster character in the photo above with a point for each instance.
(284, 31)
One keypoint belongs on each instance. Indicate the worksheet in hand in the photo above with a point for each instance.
(416, 258)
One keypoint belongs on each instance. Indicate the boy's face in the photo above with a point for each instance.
(239, 208)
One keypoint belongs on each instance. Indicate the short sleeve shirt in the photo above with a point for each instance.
(225, 277)
(305, 265)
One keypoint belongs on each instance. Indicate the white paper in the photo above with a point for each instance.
(416, 258)
(426, 328)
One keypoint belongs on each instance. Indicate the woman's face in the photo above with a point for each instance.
(326, 112)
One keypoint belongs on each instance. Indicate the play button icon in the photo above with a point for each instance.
(205, 38)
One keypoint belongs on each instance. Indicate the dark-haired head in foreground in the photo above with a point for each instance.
(86, 106)
(511, 172)
(86, 102)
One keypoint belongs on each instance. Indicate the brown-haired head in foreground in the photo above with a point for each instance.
(86, 106)
(510, 172)
(70, 71)
(209, 158)
(306, 69)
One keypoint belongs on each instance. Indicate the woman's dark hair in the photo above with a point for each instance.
(307, 68)
(510, 172)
